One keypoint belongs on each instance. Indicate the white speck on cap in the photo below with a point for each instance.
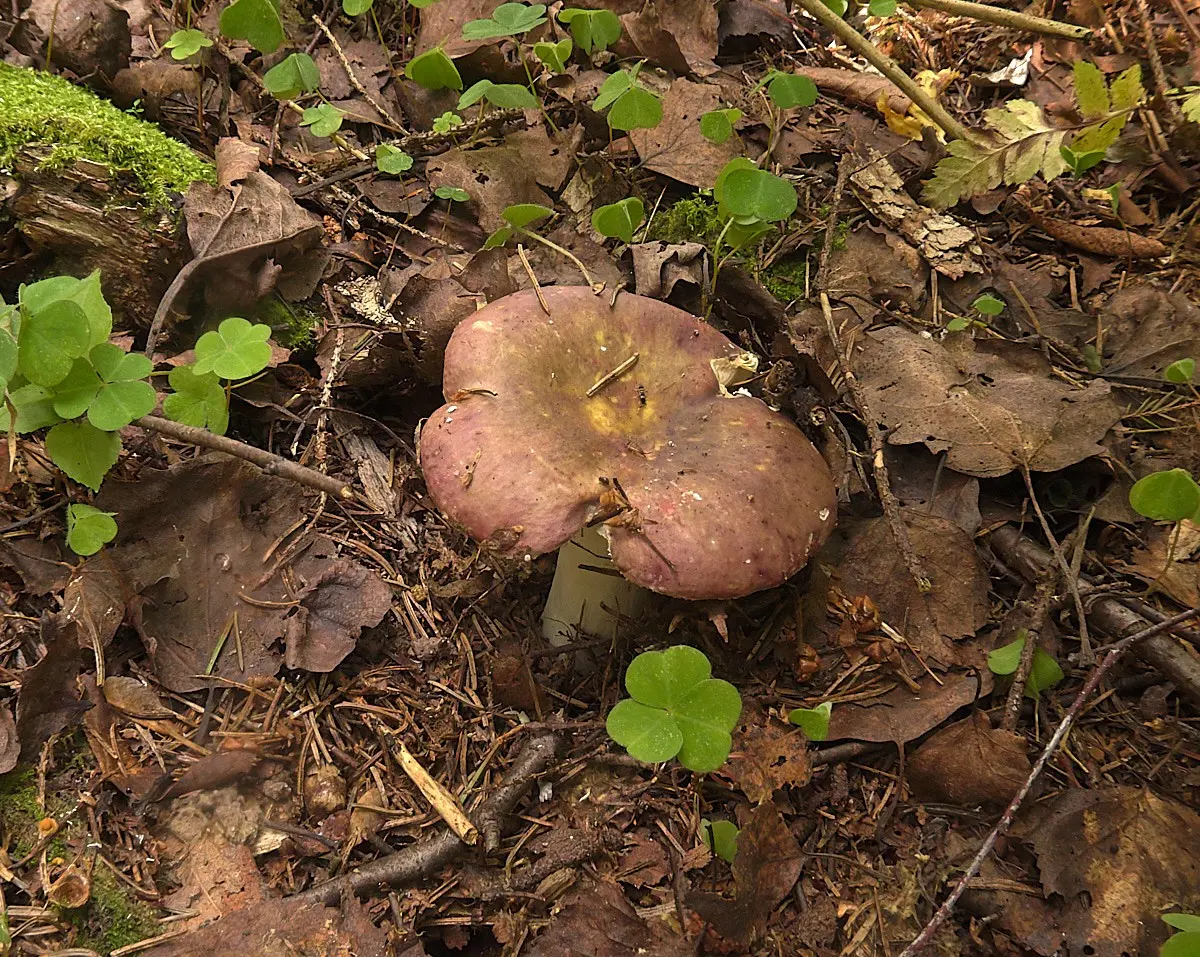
(452, 408)
(823, 515)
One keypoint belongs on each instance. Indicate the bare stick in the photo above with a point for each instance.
(1004, 18)
(354, 80)
(1037, 622)
(269, 462)
(1010, 812)
(426, 856)
(888, 67)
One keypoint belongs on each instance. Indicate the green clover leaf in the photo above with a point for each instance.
(619, 220)
(89, 529)
(503, 95)
(34, 405)
(676, 708)
(1181, 371)
(433, 70)
(236, 350)
(51, 340)
(881, 8)
(720, 837)
(592, 29)
(389, 159)
(255, 21)
(988, 305)
(1044, 671)
(1186, 944)
(554, 55)
(355, 8)
(74, 394)
(186, 43)
(1169, 496)
(124, 395)
(507, 20)
(295, 75)
(758, 193)
(635, 109)
(787, 90)
(716, 126)
(198, 400)
(83, 451)
(814, 722)
(1189, 923)
(322, 120)
(86, 293)
(1004, 660)
(446, 122)
(452, 193)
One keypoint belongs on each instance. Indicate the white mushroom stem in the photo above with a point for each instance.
(584, 601)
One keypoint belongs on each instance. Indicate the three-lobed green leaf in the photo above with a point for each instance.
(716, 126)
(255, 21)
(124, 394)
(84, 452)
(295, 75)
(52, 338)
(676, 708)
(1168, 496)
(433, 70)
(758, 193)
(322, 120)
(1044, 671)
(554, 55)
(356, 8)
(392, 160)
(630, 105)
(507, 20)
(89, 529)
(506, 96)
(1181, 371)
(197, 400)
(814, 722)
(720, 837)
(619, 220)
(988, 305)
(787, 90)
(236, 350)
(452, 193)
(186, 43)
(592, 30)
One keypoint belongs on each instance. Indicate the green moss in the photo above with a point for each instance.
(38, 109)
(691, 220)
(19, 810)
(785, 278)
(113, 917)
(292, 326)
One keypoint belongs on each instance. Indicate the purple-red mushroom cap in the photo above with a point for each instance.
(702, 495)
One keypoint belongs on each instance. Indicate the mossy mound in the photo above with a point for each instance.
(38, 109)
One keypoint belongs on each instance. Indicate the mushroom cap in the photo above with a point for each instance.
(727, 496)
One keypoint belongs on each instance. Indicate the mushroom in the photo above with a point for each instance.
(567, 413)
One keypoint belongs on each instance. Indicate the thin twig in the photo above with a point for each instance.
(596, 287)
(1010, 812)
(1037, 622)
(382, 110)
(269, 462)
(426, 856)
(1000, 16)
(888, 67)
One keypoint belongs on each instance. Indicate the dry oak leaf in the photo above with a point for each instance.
(900, 715)
(679, 35)
(599, 922)
(873, 566)
(676, 147)
(992, 407)
(1146, 329)
(495, 177)
(1179, 576)
(1118, 857)
(969, 763)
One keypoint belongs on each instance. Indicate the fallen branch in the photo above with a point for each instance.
(1004, 18)
(269, 462)
(1010, 812)
(888, 67)
(1175, 661)
(424, 857)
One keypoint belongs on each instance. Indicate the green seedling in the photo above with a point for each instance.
(814, 722)
(504, 96)
(89, 529)
(619, 220)
(1168, 496)
(986, 305)
(630, 105)
(255, 21)
(186, 43)
(787, 90)
(716, 126)
(837, 6)
(881, 8)
(433, 70)
(1181, 371)
(447, 122)
(517, 218)
(1044, 672)
(391, 160)
(720, 837)
(197, 400)
(297, 74)
(236, 350)
(356, 8)
(554, 55)
(1080, 162)
(507, 20)
(758, 194)
(676, 709)
(322, 120)
(1187, 942)
(593, 30)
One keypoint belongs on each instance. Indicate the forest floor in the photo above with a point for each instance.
(213, 729)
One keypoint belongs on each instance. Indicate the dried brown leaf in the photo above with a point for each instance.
(969, 763)
(10, 744)
(49, 699)
(900, 715)
(767, 756)
(597, 921)
(1147, 328)
(675, 147)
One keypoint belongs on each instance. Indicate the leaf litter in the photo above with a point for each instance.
(225, 685)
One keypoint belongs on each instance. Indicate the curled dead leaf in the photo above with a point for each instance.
(969, 763)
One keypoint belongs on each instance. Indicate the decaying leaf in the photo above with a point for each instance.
(1147, 328)
(680, 35)
(992, 407)
(900, 715)
(676, 147)
(873, 566)
(10, 744)
(1171, 561)
(1116, 858)
(49, 699)
(969, 763)
(767, 756)
(598, 922)
(764, 871)
(658, 266)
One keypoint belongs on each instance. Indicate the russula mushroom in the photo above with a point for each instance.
(589, 414)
